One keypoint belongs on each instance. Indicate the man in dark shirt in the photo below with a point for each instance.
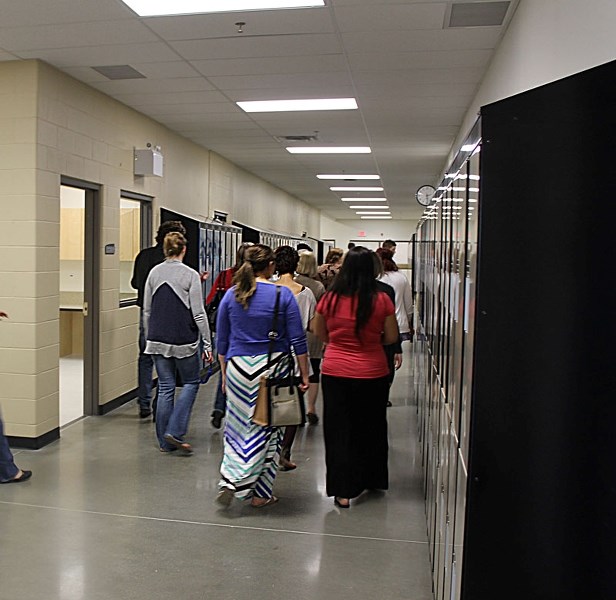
(145, 261)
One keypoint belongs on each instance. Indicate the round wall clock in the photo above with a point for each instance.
(425, 194)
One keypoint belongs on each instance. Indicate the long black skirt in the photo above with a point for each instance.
(355, 432)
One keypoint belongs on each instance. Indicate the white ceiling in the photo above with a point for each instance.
(413, 79)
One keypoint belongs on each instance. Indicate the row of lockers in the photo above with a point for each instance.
(513, 365)
(444, 275)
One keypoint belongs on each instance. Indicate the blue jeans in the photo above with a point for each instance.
(145, 366)
(8, 468)
(220, 402)
(172, 415)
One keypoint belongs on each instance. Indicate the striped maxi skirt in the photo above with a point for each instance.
(251, 452)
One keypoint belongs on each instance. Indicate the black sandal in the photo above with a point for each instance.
(25, 475)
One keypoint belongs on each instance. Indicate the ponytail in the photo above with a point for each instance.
(245, 284)
(256, 260)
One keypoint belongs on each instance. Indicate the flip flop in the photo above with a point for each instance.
(25, 475)
(187, 448)
(225, 497)
(269, 502)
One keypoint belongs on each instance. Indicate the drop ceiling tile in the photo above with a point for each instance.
(6, 56)
(100, 33)
(435, 59)
(400, 41)
(270, 46)
(286, 93)
(175, 69)
(321, 83)
(408, 17)
(160, 110)
(398, 81)
(118, 54)
(44, 12)
(170, 98)
(214, 120)
(155, 87)
(425, 90)
(221, 25)
(271, 66)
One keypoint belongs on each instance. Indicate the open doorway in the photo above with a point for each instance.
(78, 300)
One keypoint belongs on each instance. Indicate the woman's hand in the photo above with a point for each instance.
(397, 361)
(305, 384)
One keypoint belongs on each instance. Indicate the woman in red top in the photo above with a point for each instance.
(354, 319)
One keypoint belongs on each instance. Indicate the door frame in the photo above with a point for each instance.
(91, 292)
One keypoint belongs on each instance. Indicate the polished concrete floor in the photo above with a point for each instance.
(107, 516)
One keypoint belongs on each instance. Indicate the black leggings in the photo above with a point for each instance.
(355, 432)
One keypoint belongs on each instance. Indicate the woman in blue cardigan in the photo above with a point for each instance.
(245, 316)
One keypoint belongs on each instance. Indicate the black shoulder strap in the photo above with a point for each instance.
(273, 334)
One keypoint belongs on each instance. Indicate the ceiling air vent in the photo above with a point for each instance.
(119, 72)
(298, 138)
(477, 14)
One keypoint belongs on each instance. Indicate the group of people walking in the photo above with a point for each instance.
(338, 321)
(341, 324)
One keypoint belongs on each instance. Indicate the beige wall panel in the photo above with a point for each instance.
(47, 408)
(17, 411)
(28, 208)
(125, 376)
(28, 233)
(28, 335)
(124, 317)
(18, 106)
(28, 285)
(110, 278)
(48, 184)
(111, 340)
(18, 131)
(110, 299)
(27, 387)
(109, 361)
(19, 259)
(29, 310)
(28, 361)
(16, 182)
(17, 156)
(18, 208)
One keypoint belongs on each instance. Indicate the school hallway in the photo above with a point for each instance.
(107, 516)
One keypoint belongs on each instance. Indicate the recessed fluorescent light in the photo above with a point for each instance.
(343, 176)
(375, 217)
(329, 149)
(364, 199)
(149, 8)
(297, 105)
(369, 207)
(356, 189)
(467, 147)
(361, 212)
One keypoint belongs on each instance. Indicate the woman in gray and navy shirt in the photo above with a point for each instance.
(175, 329)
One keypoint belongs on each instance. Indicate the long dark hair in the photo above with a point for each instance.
(356, 280)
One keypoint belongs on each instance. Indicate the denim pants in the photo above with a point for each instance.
(8, 468)
(145, 366)
(172, 415)
(220, 402)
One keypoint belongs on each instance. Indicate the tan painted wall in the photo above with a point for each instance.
(52, 125)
